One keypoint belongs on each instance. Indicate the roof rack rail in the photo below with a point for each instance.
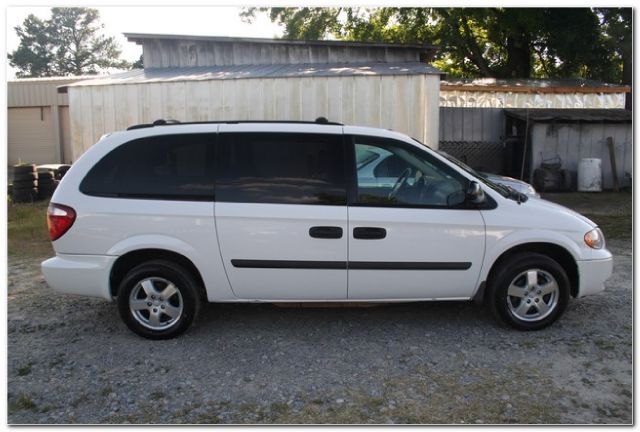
(162, 122)
(159, 122)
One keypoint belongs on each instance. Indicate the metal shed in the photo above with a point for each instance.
(199, 78)
(571, 135)
(472, 120)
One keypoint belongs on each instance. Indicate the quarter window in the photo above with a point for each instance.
(172, 167)
(401, 175)
(283, 168)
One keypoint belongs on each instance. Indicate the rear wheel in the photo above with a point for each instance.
(158, 299)
(529, 292)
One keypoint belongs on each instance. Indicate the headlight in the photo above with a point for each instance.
(594, 239)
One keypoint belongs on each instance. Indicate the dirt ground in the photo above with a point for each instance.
(71, 360)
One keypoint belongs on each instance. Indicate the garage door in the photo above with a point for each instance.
(31, 136)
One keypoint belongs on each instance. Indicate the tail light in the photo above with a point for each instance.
(59, 219)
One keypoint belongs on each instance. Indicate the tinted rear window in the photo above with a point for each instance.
(283, 168)
(174, 167)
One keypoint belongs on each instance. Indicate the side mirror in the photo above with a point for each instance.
(475, 194)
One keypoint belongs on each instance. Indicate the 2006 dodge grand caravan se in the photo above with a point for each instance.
(163, 217)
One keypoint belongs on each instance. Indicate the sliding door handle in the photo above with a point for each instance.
(369, 233)
(325, 232)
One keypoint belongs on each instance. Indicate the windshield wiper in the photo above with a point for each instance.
(514, 194)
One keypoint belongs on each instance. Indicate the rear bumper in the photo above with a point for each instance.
(86, 275)
(593, 274)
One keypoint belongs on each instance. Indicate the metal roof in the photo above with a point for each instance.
(544, 115)
(532, 86)
(53, 79)
(204, 73)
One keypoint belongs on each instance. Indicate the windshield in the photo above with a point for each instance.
(501, 189)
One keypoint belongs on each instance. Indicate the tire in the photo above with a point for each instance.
(538, 179)
(29, 176)
(45, 193)
(24, 169)
(62, 171)
(47, 189)
(540, 309)
(565, 175)
(25, 184)
(46, 175)
(156, 276)
(24, 195)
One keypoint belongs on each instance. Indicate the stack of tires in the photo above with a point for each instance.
(62, 170)
(47, 183)
(25, 184)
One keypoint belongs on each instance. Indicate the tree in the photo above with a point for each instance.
(69, 43)
(490, 42)
(138, 64)
(34, 56)
(618, 38)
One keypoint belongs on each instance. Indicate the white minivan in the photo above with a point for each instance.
(163, 217)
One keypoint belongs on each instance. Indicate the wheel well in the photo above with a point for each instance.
(553, 251)
(126, 262)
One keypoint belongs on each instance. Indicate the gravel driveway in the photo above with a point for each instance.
(71, 360)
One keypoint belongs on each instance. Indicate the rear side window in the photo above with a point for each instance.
(281, 168)
(172, 167)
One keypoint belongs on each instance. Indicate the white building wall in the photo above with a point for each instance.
(405, 103)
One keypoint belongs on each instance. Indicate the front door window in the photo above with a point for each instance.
(392, 173)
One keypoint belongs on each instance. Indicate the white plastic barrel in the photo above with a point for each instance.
(590, 175)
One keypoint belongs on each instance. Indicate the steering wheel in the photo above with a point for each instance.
(424, 189)
(400, 183)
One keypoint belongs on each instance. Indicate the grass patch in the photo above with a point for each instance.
(605, 345)
(614, 226)
(23, 402)
(27, 232)
(156, 395)
(612, 211)
(426, 397)
(528, 344)
(24, 370)
(105, 391)
(80, 400)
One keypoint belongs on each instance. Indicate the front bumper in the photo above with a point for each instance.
(86, 275)
(593, 274)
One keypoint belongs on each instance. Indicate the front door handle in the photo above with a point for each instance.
(325, 232)
(369, 233)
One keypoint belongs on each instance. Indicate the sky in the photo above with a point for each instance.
(196, 20)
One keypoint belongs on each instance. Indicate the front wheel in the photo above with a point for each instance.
(158, 299)
(529, 292)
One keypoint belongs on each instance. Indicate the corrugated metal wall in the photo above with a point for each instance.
(484, 99)
(405, 103)
(474, 135)
(574, 141)
(32, 93)
(162, 53)
(471, 124)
